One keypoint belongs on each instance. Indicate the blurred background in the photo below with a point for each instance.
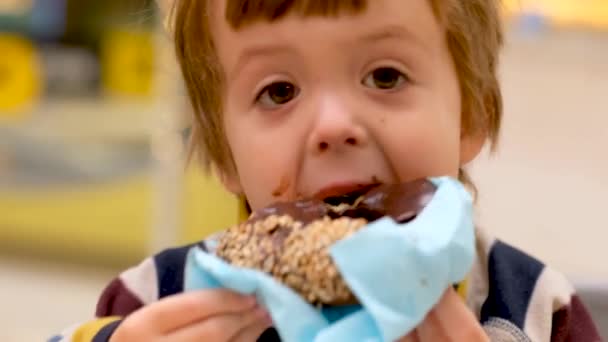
(93, 121)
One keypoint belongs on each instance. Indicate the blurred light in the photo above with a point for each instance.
(47, 19)
(15, 7)
(20, 75)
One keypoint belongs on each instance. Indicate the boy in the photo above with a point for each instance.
(296, 98)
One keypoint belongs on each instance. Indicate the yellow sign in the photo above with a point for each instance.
(128, 63)
(20, 75)
(109, 223)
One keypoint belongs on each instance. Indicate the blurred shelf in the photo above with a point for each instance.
(79, 181)
(86, 119)
(107, 223)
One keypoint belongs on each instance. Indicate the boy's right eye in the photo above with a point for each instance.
(276, 94)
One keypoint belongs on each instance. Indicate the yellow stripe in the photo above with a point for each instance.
(462, 289)
(88, 331)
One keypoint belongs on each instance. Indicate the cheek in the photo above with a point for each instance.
(421, 148)
(264, 168)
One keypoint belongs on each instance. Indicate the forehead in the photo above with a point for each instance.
(242, 24)
(238, 13)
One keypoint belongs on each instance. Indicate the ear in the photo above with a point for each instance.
(471, 145)
(230, 180)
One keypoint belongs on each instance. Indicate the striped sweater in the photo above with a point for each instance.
(515, 297)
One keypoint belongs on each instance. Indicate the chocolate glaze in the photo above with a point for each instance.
(402, 202)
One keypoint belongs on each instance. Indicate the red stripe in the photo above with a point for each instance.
(573, 323)
(117, 300)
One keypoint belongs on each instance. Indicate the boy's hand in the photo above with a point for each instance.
(212, 315)
(450, 321)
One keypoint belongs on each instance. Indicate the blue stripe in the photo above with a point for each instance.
(170, 270)
(106, 332)
(512, 278)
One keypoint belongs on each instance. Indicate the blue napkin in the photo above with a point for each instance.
(398, 274)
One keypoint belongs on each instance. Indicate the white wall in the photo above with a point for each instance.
(546, 190)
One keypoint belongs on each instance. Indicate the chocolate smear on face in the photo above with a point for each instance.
(282, 187)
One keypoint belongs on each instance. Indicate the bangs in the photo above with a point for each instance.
(243, 12)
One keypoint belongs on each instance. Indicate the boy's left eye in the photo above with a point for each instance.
(385, 78)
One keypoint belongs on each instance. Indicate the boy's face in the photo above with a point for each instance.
(314, 106)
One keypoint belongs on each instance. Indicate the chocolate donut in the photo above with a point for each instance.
(290, 241)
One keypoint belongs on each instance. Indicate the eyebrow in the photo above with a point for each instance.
(387, 32)
(259, 51)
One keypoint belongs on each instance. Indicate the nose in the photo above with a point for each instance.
(336, 128)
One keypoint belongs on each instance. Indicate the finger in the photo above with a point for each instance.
(254, 331)
(452, 311)
(431, 329)
(218, 328)
(184, 309)
(451, 320)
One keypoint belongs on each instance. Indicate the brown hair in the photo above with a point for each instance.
(473, 33)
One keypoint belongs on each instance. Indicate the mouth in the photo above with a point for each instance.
(347, 193)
